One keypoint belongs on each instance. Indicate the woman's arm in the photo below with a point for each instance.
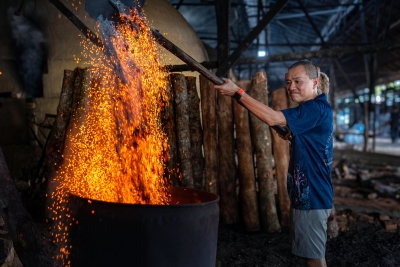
(261, 111)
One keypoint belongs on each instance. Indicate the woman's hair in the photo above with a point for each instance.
(311, 69)
(313, 72)
(323, 83)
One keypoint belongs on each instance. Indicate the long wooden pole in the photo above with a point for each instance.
(179, 85)
(168, 122)
(227, 166)
(281, 156)
(262, 145)
(196, 133)
(209, 118)
(55, 144)
(247, 182)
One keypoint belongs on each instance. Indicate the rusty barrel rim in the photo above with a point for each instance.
(202, 198)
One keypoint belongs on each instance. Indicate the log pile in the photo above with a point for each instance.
(347, 220)
(237, 147)
(368, 187)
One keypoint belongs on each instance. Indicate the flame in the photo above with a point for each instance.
(115, 143)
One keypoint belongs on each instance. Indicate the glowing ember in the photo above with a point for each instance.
(114, 148)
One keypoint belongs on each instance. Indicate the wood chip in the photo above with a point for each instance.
(391, 226)
(383, 217)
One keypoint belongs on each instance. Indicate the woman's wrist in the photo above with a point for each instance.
(238, 94)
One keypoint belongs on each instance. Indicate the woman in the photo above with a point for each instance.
(309, 175)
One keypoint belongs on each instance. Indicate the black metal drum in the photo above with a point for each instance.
(174, 235)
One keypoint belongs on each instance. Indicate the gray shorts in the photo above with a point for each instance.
(308, 232)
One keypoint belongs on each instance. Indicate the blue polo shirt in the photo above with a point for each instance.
(309, 179)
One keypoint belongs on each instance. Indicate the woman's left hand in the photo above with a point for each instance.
(228, 88)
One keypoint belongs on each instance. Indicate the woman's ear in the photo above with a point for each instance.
(315, 83)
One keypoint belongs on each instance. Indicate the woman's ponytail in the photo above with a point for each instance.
(323, 83)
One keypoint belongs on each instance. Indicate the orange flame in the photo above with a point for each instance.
(115, 149)
(115, 143)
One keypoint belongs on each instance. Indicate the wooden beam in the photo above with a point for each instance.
(77, 22)
(179, 4)
(248, 40)
(223, 18)
(324, 53)
(311, 21)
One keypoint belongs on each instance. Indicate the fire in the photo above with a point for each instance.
(114, 149)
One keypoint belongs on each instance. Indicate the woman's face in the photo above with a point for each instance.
(299, 86)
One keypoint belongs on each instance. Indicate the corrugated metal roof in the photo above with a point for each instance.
(339, 23)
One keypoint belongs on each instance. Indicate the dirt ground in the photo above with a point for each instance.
(365, 190)
(363, 244)
(362, 241)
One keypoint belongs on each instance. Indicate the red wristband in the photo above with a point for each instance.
(238, 94)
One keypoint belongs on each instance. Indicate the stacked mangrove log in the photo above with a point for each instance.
(215, 144)
(238, 158)
(261, 138)
(247, 180)
(238, 151)
(281, 156)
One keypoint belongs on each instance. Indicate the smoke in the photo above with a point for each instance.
(29, 44)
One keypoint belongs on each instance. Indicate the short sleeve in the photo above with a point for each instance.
(302, 118)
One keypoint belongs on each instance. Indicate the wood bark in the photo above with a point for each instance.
(227, 166)
(323, 53)
(261, 138)
(247, 181)
(209, 118)
(196, 133)
(78, 114)
(55, 145)
(179, 85)
(18, 222)
(281, 156)
(168, 121)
